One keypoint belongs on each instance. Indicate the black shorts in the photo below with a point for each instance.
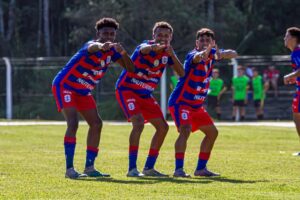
(240, 103)
(257, 103)
(212, 101)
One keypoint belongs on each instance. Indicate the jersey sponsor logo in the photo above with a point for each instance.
(164, 60)
(198, 97)
(86, 84)
(131, 106)
(156, 63)
(67, 98)
(97, 73)
(141, 84)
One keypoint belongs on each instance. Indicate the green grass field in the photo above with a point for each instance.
(255, 163)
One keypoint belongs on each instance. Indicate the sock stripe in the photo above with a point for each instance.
(153, 152)
(133, 148)
(70, 139)
(179, 155)
(204, 155)
(93, 149)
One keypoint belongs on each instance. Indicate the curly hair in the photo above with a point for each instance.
(162, 24)
(205, 31)
(106, 22)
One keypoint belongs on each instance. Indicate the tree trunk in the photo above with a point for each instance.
(11, 20)
(47, 28)
(2, 31)
(210, 12)
(40, 21)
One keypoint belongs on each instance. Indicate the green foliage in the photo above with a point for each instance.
(255, 163)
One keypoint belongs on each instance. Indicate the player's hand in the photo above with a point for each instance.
(119, 48)
(107, 46)
(218, 53)
(169, 49)
(157, 47)
(289, 80)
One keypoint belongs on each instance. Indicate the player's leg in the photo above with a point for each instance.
(242, 111)
(234, 110)
(218, 109)
(161, 130)
(296, 117)
(180, 148)
(134, 140)
(211, 134)
(274, 85)
(93, 139)
(71, 117)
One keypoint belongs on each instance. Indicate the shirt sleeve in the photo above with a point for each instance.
(296, 59)
(84, 49)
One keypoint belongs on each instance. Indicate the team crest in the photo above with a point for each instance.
(102, 63)
(164, 60)
(184, 116)
(108, 59)
(67, 98)
(156, 63)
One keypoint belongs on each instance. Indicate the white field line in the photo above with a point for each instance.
(35, 123)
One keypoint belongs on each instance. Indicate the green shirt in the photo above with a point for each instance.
(215, 87)
(174, 80)
(240, 84)
(258, 88)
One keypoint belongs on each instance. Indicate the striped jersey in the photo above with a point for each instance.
(148, 71)
(295, 57)
(84, 70)
(191, 89)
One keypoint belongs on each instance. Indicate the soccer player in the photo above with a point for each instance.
(186, 101)
(216, 90)
(259, 90)
(72, 91)
(292, 42)
(240, 86)
(134, 94)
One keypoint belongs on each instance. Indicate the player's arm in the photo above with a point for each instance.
(202, 55)
(177, 66)
(145, 49)
(222, 92)
(291, 77)
(226, 54)
(125, 60)
(97, 46)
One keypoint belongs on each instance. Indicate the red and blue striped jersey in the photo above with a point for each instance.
(148, 71)
(295, 57)
(191, 89)
(84, 70)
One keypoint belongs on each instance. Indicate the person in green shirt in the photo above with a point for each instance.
(173, 81)
(216, 89)
(259, 90)
(240, 86)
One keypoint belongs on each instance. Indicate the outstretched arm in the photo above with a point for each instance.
(226, 54)
(145, 49)
(97, 46)
(291, 77)
(125, 60)
(178, 68)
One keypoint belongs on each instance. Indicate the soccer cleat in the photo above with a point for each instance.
(296, 154)
(205, 172)
(134, 173)
(73, 174)
(92, 172)
(181, 173)
(154, 173)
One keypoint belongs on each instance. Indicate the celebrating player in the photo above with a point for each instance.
(134, 94)
(72, 91)
(292, 42)
(186, 101)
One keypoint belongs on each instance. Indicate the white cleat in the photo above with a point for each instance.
(134, 173)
